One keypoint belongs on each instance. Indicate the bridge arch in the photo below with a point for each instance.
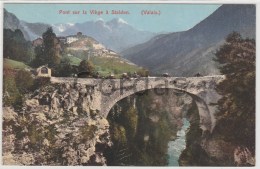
(201, 89)
(204, 112)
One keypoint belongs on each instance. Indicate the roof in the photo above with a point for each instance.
(43, 66)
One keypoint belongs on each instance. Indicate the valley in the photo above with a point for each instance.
(189, 52)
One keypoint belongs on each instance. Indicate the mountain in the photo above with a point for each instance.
(30, 31)
(116, 34)
(34, 30)
(12, 22)
(188, 52)
(106, 61)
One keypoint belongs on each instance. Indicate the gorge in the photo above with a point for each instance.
(59, 121)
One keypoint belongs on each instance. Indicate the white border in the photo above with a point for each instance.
(257, 2)
(137, 1)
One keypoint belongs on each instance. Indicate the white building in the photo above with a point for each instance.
(70, 39)
(73, 38)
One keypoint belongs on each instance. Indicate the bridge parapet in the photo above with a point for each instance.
(181, 83)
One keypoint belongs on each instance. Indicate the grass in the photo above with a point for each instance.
(117, 66)
(74, 60)
(9, 63)
(105, 65)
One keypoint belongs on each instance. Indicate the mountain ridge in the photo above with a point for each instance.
(115, 34)
(188, 52)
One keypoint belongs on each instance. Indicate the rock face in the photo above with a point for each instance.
(57, 126)
(224, 153)
(242, 156)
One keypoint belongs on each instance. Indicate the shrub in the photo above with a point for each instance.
(11, 94)
(24, 81)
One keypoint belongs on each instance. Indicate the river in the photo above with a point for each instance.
(176, 147)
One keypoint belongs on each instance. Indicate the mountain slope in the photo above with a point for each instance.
(13, 64)
(186, 53)
(116, 34)
(12, 22)
(34, 30)
(30, 31)
(105, 61)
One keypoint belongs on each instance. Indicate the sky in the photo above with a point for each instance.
(172, 18)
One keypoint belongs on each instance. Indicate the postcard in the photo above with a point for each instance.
(128, 84)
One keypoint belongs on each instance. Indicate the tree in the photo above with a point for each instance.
(24, 81)
(143, 72)
(15, 86)
(86, 66)
(16, 47)
(64, 69)
(11, 94)
(51, 48)
(236, 117)
(49, 53)
(39, 59)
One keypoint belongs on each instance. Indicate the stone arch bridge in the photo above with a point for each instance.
(105, 93)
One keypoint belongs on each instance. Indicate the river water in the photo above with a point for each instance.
(176, 147)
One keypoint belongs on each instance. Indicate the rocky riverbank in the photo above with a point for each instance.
(55, 127)
(212, 149)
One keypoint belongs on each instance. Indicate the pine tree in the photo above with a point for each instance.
(51, 47)
(15, 46)
(49, 53)
(236, 117)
